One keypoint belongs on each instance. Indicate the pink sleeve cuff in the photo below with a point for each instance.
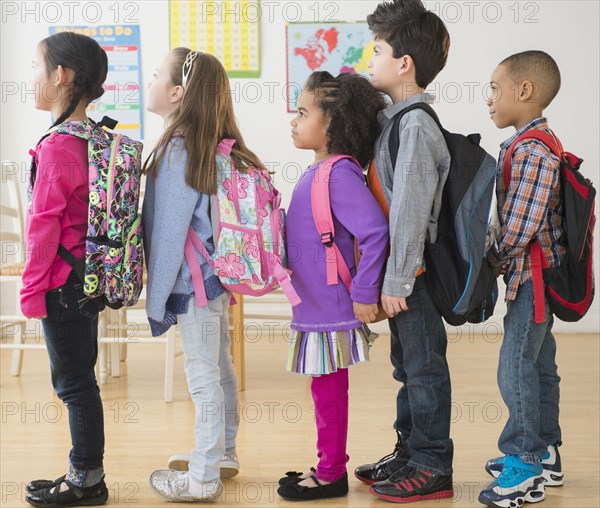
(34, 305)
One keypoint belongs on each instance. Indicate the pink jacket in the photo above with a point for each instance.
(57, 215)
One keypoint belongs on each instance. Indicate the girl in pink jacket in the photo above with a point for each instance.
(68, 73)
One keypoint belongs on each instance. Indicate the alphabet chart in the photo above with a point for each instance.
(227, 29)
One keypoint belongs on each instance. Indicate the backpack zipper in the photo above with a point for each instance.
(111, 177)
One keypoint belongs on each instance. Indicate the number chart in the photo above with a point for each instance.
(227, 29)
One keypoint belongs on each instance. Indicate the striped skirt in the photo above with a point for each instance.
(317, 353)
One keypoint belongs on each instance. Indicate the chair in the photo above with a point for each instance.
(13, 246)
(117, 331)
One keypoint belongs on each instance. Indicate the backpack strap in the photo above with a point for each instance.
(394, 140)
(192, 242)
(321, 211)
(225, 147)
(281, 274)
(78, 265)
(550, 140)
(538, 259)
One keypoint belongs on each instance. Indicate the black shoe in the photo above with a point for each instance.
(75, 496)
(386, 466)
(34, 485)
(293, 477)
(296, 492)
(410, 484)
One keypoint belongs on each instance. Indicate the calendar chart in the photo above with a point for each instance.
(227, 29)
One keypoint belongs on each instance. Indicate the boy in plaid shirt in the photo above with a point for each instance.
(522, 86)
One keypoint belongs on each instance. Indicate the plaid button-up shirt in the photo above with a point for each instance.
(530, 209)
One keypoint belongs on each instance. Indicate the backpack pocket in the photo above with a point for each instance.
(237, 256)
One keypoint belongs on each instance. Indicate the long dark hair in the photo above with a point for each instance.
(83, 55)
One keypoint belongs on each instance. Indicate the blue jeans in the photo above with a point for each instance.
(212, 384)
(71, 333)
(423, 404)
(528, 380)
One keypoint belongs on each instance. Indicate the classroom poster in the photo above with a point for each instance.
(332, 47)
(122, 99)
(229, 30)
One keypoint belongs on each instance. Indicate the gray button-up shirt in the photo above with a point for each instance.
(413, 189)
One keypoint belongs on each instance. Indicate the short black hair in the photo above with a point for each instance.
(539, 68)
(351, 104)
(410, 29)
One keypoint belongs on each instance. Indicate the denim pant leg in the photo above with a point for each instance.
(403, 423)
(547, 371)
(422, 336)
(71, 334)
(201, 340)
(518, 377)
(229, 382)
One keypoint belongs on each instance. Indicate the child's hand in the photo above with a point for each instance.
(393, 305)
(365, 313)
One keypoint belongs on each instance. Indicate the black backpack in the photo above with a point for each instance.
(460, 280)
(569, 287)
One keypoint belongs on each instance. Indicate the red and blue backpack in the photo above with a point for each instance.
(569, 288)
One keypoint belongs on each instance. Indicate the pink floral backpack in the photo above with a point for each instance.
(249, 234)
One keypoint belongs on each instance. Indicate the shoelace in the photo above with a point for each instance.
(398, 449)
(230, 456)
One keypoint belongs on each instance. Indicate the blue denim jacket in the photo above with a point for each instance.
(170, 207)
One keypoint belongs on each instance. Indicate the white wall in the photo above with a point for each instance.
(482, 34)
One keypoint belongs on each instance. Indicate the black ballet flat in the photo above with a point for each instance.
(293, 477)
(295, 492)
(34, 485)
(74, 496)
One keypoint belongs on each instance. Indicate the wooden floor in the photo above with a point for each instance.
(277, 430)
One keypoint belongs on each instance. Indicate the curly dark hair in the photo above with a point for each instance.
(351, 104)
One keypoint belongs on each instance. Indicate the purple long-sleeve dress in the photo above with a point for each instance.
(326, 334)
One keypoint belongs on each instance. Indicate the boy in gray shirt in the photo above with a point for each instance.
(411, 48)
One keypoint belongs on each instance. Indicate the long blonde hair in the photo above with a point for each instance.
(205, 117)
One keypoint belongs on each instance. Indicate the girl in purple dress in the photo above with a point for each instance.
(336, 116)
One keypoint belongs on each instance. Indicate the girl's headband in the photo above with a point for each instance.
(187, 66)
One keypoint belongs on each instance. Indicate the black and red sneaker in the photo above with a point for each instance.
(384, 467)
(410, 484)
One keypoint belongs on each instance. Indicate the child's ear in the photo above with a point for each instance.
(526, 90)
(63, 76)
(60, 75)
(176, 94)
(405, 64)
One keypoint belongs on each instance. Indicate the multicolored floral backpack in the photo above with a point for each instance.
(111, 271)
(249, 234)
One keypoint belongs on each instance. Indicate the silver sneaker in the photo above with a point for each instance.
(229, 464)
(173, 486)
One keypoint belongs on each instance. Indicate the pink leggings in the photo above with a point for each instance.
(330, 394)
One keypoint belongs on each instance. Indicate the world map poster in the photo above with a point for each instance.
(332, 47)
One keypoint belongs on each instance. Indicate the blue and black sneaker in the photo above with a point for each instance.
(553, 475)
(517, 484)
